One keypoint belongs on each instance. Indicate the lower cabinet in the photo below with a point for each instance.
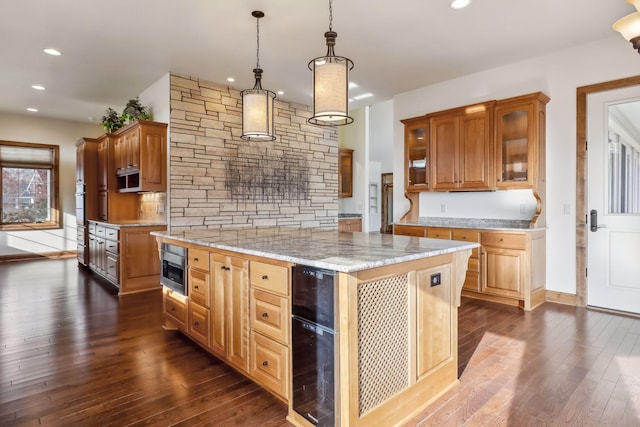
(239, 310)
(126, 256)
(509, 267)
(350, 224)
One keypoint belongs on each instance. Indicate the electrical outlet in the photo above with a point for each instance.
(443, 208)
(436, 279)
(523, 208)
(567, 209)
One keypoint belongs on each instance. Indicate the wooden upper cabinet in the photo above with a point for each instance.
(416, 149)
(345, 172)
(519, 142)
(461, 149)
(140, 151)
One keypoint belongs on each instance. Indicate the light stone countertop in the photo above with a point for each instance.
(474, 223)
(130, 223)
(330, 249)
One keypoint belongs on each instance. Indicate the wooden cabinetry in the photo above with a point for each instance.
(345, 172)
(509, 267)
(112, 206)
(416, 143)
(350, 224)
(270, 326)
(86, 194)
(175, 308)
(520, 141)
(199, 289)
(126, 256)
(461, 149)
(140, 151)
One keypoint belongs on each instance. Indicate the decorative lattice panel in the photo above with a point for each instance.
(383, 340)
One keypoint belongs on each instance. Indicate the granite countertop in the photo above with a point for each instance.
(130, 223)
(475, 223)
(349, 215)
(331, 249)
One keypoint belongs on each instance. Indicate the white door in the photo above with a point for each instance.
(613, 181)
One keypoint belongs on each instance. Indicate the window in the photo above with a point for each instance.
(29, 182)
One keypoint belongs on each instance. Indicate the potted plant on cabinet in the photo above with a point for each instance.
(134, 110)
(111, 121)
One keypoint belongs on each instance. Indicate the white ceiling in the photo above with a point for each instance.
(113, 50)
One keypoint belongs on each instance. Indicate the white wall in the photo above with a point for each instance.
(30, 128)
(558, 75)
(157, 97)
(353, 136)
(381, 135)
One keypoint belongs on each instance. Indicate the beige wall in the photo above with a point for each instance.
(205, 147)
(31, 128)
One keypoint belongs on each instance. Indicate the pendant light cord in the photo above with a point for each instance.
(330, 15)
(257, 42)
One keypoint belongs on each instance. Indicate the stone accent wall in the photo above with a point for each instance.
(206, 124)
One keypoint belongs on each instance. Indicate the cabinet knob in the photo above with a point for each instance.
(501, 239)
(196, 287)
(265, 363)
(265, 315)
(265, 277)
(172, 308)
(196, 260)
(196, 323)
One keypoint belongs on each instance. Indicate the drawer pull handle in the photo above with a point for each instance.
(265, 315)
(265, 277)
(196, 323)
(196, 287)
(172, 308)
(265, 363)
(195, 260)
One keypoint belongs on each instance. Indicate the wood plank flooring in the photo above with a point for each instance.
(74, 353)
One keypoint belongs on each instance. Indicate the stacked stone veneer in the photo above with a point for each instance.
(206, 124)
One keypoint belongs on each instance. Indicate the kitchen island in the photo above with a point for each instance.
(395, 310)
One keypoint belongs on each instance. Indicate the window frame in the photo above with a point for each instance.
(54, 210)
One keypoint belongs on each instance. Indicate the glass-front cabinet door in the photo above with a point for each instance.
(515, 143)
(416, 134)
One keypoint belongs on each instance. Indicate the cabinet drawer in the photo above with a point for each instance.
(439, 233)
(270, 315)
(100, 231)
(199, 285)
(175, 307)
(505, 240)
(198, 258)
(111, 268)
(465, 235)
(111, 233)
(270, 364)
(80, 234)
(410, 230)
(111, 246)
(269, 277)
(198, 327)
(92, 228)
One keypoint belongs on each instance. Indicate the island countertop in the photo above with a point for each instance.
(331, 249)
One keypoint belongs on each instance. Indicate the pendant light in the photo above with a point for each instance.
(257, 103)
(331, 84)
(629, 26)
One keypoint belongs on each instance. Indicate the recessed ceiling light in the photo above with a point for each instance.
(460, 4)
(363, 96)
(38, 87)
(280, 92)
(53, 52)
(352, 85)
(33, 110)
(231, 79)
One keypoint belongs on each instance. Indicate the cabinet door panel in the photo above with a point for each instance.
(237, 294)
(503, 271)
(444, 153)
(410, 230)
(198, 327)
(435, 344)
(217, 304)
(475, 150)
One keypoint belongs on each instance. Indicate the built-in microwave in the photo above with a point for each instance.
(174, 262)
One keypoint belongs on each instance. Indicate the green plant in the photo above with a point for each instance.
(111, 120)
(134, 110)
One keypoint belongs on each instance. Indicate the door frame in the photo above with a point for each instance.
(582, 228)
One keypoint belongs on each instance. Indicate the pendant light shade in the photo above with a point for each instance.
(331, 84)
(629, 26)
(257, 103)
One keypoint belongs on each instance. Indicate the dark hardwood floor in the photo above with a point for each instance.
(74, 353)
